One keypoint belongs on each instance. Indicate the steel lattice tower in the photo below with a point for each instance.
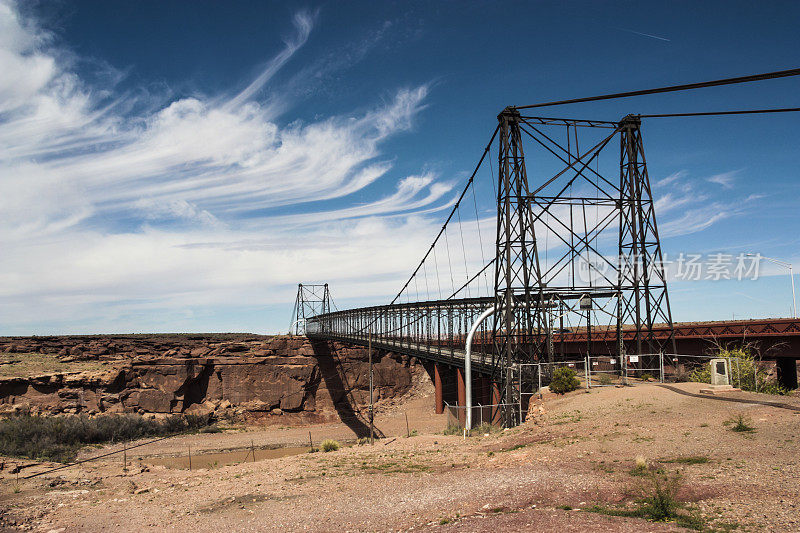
(528, 292)
(312, 300)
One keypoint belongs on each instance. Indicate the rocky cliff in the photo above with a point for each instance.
(222, 373)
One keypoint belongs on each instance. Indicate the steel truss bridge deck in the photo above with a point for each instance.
(430, 330)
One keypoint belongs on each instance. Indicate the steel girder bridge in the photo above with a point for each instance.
(576, 248)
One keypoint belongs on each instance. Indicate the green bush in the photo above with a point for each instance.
(564, 380)
(745, 372)
(58, 438)
(330, 445)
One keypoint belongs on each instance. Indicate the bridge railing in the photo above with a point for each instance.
(436, 328)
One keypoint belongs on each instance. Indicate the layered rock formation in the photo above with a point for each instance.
(228, 374)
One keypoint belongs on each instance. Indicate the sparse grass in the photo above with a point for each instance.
(688, 460)
(34, 364)
(646, 377)
(604, 379)
(330, 445)
(658, 502)
(58, 438)
(453, 429)
(485, 428)
(564, 507)
(570, 417)
(514, 447)
(640, 466)
(395, 467)
(740, 424)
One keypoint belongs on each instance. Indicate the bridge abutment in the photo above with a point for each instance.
(787, 372)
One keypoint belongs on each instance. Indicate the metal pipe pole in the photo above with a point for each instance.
(371, 394)
(794, 300)
(468, 365)
(586, 370)
(791, 277)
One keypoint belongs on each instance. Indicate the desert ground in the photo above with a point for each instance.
(576, 457)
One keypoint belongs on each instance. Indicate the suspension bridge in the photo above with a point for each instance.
(569, 257)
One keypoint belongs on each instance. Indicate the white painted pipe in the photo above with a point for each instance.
(468, 365)
(291, 328)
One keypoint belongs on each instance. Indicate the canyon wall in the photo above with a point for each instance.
(225, 374)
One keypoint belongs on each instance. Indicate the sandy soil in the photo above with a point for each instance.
(580, 452)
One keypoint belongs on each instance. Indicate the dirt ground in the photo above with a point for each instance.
(547, 474)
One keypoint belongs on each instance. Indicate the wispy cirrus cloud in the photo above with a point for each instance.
(725, 179)
(118, 206)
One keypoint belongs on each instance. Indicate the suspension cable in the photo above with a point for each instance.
(464, 253)
(672, 88)
(719, 113)
(480, 237)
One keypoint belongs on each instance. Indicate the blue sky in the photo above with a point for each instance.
(181, 166)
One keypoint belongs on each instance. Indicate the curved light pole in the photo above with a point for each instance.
(468, 366)
(791, 277)
(291, 328)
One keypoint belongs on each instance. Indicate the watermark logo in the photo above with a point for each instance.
(683, 266)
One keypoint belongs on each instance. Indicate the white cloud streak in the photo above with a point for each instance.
(110, 216)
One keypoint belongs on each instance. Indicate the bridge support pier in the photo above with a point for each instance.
(787, 372)
(486, 390)
(439, 392)
(462, 395)
(497, 410)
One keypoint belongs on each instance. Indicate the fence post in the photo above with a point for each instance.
(540, 376)
(738, 374)
(661, 366)
(755, 376)
(586, 370)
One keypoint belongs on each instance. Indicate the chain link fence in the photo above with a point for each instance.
(528, 379)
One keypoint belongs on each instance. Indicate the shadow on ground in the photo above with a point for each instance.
(341, 391)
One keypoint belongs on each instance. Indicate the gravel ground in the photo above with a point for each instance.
(547, 473)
